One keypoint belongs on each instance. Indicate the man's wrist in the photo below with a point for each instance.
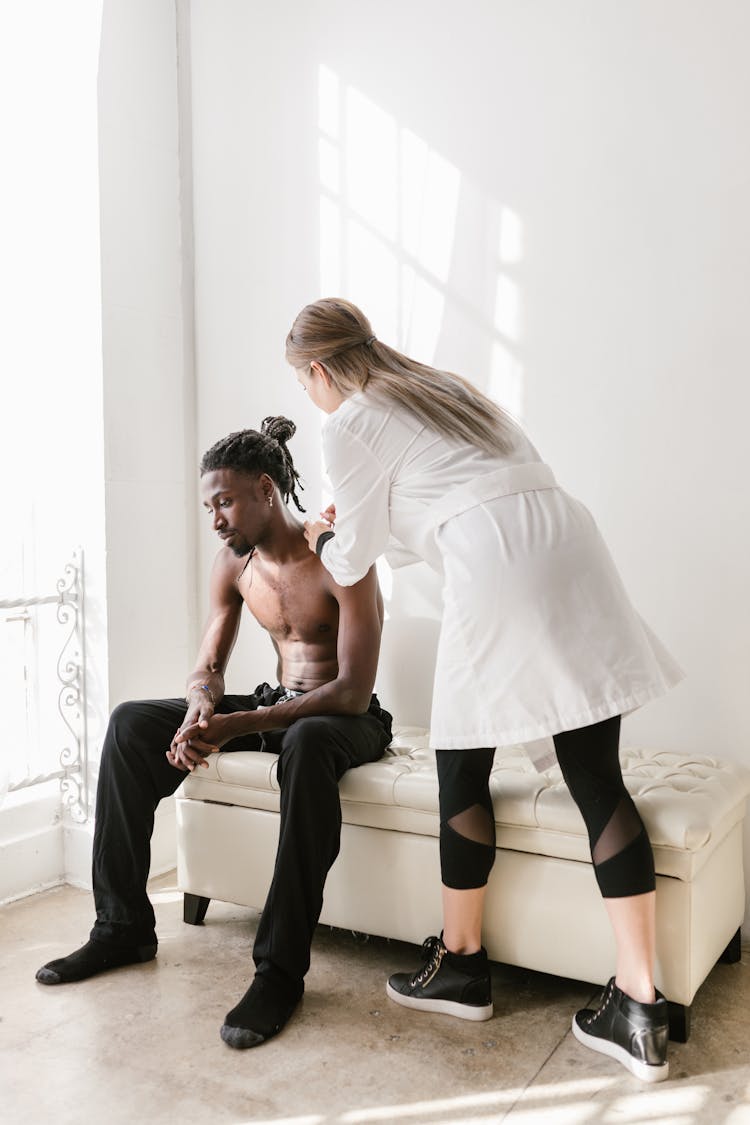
(202, 689)
(239, 723)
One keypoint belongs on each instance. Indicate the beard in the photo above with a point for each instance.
(240, 546)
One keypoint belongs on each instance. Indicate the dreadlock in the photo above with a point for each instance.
(253, 452)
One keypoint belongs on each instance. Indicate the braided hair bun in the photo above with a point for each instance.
(278, 427)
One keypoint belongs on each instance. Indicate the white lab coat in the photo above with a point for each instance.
(538, 634)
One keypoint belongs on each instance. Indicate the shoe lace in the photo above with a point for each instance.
(433, 951)
(604, 1000)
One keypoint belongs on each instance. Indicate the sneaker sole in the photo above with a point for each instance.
(645, 1071)
(445, 1007)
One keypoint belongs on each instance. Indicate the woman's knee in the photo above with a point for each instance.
(589, 759)
(467, 821)
(463, 779)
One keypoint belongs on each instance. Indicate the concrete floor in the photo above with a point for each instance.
(142, 1044)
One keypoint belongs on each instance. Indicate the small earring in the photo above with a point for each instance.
(270, 501)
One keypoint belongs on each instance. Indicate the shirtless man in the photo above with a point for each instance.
(322, 721)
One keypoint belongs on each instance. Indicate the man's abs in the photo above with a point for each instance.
(301, 617)
(301, 668)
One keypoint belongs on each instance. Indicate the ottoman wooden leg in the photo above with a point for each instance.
(679, 1022)
(733, 951)
(194, 909)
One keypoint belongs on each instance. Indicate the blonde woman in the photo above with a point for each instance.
(538, 639)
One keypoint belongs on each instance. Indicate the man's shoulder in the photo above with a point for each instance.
(228, 567)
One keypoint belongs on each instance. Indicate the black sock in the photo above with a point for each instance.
(473, 964)
(261, 1013)
(92, 958)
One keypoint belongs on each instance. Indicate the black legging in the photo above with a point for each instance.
(590, 764)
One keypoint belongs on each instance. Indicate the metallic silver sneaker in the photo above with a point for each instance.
(635, 1034)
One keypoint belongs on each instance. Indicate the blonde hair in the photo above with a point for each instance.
(338, 335)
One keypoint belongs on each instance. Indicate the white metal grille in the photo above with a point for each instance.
(42, 668)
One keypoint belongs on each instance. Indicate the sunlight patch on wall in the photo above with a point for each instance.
(429, 204)
(371, 157)
(507, 308)
(423, 311)
(387, 217)
(390, 206)
(330, 166)
(331, 281)
(510, 245)
(506, 380)
(373, 278)
(328, 102)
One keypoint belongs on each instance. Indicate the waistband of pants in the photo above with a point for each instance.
(531, 477)
(288, 693)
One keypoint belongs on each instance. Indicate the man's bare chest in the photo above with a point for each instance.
(290, 603)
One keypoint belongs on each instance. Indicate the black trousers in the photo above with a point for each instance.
(134, 775)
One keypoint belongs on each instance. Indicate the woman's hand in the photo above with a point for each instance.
(313, 531)
(315, 528)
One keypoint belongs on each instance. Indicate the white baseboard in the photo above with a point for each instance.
(78, 840)
(40, 850)
(31, 842)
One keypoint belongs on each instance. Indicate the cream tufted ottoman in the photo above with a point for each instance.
(543, 909)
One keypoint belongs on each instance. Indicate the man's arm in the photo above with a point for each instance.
(358, 647)
(205, 684)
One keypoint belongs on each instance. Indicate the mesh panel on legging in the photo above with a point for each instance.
(467, 820)
(620, 847)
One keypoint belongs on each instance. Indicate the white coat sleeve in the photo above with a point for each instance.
(397, 556)
(361, 489)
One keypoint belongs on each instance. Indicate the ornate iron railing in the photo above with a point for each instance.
(71, 675)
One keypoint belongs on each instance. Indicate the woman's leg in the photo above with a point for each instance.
(467, 843)
(462, 919)
(620, 848)
(634, 923)
(630, 1023)
(455, 976)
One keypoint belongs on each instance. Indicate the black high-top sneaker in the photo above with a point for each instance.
(635, 1034)
(451, 983)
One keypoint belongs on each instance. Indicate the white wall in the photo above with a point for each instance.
(550, 198)
(255, 208)
(150, 471)
(151, 477)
